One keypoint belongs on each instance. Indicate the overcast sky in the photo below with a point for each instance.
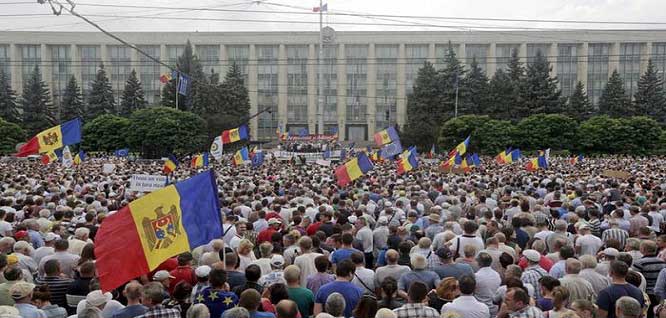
(124, 19)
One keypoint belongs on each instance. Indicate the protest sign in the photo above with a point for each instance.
(147, 182)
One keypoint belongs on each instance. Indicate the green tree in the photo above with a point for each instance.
(600, 134)
(423, 116)
(36, 104)
(133, 97)
(650, 99)
(541, 92)
(641, 135)
(501, 92)
(188, 63)
(476, 101)
(234, 100)
(159, 131)
(72, 101)
(105, 133)
(614, 101)
(518, 107)
(450, 78)
(543, 131)
(100, 98)
(8, 106)
(12, 134)
(579, 105)
(487, 135)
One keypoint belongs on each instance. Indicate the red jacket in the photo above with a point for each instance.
(182, 273)
(265, 235)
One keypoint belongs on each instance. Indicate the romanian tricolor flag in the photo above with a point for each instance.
(353, 169)
(536, 163)
(448, 164)
(461, 148)
(68, 133)
(200, 160)
(80, 157)
(431, 153)
(236, 134)
(167, 222)
(282, 136)
(170, 164)
(576, 159)
(508, 156)
(165, 78)
(386, 136)
(49, 157)
(241, 156)
(408, 161)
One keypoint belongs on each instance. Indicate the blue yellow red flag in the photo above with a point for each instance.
(68, 133)
(386, 136)
(170, 164)
(353, 169)
(236, 134)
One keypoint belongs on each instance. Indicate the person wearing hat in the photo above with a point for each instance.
(164, 278)
(449, 268)
(587, 243)
(13, 276)
(184, 271)
(49, 241)
(274, 225)
(201, 273)
(277, 273)
(533, 271)
(419, 273)
(22, 295)
(607, 256)
(432, 226)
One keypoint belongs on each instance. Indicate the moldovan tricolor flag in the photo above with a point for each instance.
(236, 134)
(353, 169)
(386, 136)
(68, 133)
(160, 225)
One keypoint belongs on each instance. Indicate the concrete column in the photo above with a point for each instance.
(431, 53)
(646, 54)
(252, 89)
(136, 62)
(15, 67)
(283, 80)
(614, 58)
(164, 57)
(401, 98)
(492, 59)
(552, 58)
(462, 57)
(583, 57)
(372, 89)
(105, 59)
(312, 69)
(46, 67)
(522, 52)
(342, 92)
(224, 61)
(76, 63)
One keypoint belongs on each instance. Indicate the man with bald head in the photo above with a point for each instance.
(578, 287)
(392, 269)
(133, 292)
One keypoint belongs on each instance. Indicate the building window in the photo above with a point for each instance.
(61, 68)
(478, 52)
(440, 53)
(386, 85)
(174, 52)
(330, 75)
(31, 56)
(597, 70)
(534, 49)
(90, 62)
(503, 55)
(121, 66)
(567, 68)
(416, 56)
(239, 55)
(209, 55)
(630, 66)
(658, 58)
(357, 86)
(4, 60)
(297, 79)
(150, 73)
(267, 81)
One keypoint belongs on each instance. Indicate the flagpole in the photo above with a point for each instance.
(177, 77)
(320, 104)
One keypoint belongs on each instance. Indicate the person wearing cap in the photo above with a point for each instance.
(49, 241)
(533, 272)
(449, 268)
(587, 243)
(608, 255)
(164, 278)
(380, 234)
(274, 225)
(433, 226)
(184, 271)
(277, 273)
(216, 297)
(133, 292)
(22, 295)
(201, 273)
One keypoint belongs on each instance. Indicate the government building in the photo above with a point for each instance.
(366, 75)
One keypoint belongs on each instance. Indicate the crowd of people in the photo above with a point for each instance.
(499, 241)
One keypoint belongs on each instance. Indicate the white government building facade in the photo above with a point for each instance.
(367, 75)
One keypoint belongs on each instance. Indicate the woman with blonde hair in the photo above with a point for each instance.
(560, 296)
(245, 254)
(447, 290)
(584, 308)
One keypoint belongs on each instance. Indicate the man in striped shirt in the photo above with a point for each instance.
(650, 266)
(58, 285)
(615, 232)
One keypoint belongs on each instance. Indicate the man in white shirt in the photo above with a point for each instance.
(488, 281)
(466, 304)
(364, 278)
(467, 238)
(5, 227)
(306, 261)
(587, 244)
(365, 235)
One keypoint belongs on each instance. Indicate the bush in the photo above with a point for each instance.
(12, 134)
(543, 131)
(105, 133)
(159, 131)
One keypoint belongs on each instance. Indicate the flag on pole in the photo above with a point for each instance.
(386, 136)
(183, 83)
(200, 160)
(241, 156)
(121, 152)
(67, 159)
(216, 148)
(236, 134)
(353, 169)
(68, 133)
(170, 164)
(49, 157)
(323, 8)
(78, 159)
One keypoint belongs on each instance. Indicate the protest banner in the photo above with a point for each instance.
(147, 182)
